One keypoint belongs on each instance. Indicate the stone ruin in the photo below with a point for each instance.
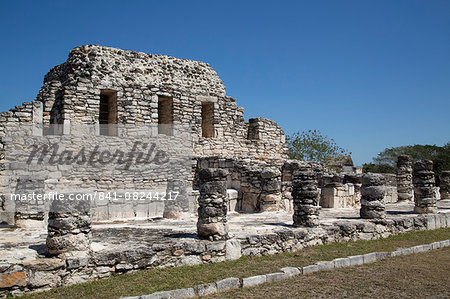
(233, 166)
(372, 194)
(445, 184)
(108, 88)
(424, 187)
(404, 178)
(212, 205)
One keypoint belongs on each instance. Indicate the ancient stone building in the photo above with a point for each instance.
(111, 89)
(106, 98)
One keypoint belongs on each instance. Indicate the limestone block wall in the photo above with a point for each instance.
(72, 90)
(137, 252)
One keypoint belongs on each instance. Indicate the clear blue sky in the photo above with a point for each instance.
(370, 74)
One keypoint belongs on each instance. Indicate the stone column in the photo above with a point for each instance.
(405, 188)
(69, 228)
(212, 204)
(424, 187)
(372, 194)
(176, 205)
(445, 184)
(305, 199)
(270, 197)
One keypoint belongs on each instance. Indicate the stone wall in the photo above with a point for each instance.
(128, 256)
(248, 178)
(71, 93)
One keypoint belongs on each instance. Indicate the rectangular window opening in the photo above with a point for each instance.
(208, 120)
(108, 113)
(165, 116)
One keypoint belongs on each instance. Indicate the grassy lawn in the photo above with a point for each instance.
(422, 275)
(149, 281)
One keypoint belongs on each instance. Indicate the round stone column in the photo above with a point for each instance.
(424, 187)
(445, 184)
(212, 204)
(270, 197)
(405, 189)
(69, 227)
(372, 194)
(305, 199)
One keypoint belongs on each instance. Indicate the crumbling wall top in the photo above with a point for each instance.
(117, 67)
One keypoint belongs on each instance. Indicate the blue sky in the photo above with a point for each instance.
(370, 74)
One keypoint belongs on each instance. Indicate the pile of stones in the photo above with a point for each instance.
(424, 187)
(404, 178)
(305, 196)
(445, 184)
(212, 210)
(373, 191)
(270, 197)
(69, 227)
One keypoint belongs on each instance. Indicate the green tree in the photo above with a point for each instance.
(379, 168)
(311, 145)
(386, 161)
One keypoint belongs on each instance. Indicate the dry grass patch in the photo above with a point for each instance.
(150, 281)
(422, 275)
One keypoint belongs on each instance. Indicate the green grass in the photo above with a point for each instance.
(149, 281)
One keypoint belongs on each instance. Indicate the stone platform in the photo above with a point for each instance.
(139, 244)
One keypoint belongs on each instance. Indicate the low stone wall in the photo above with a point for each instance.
(45, 273)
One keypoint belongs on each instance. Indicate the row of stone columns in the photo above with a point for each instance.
(422, 171)
(69, 225)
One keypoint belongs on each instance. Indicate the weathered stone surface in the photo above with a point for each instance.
(305, 198)
(178, 208)
(291, 271)
(341, 262)
(206, 289)
(370, 257)
(228, 284)
(270, 196)
(182, 293)
(424, 187)
(372, 194)
(44, 264)
(212, 210)
(69, 227)
(310, 269)
(405, 190)
(445, 184)
(275, 276)
(356, 260)
(325, 265)
(253, 280)
(233, 249)
(8, 280)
